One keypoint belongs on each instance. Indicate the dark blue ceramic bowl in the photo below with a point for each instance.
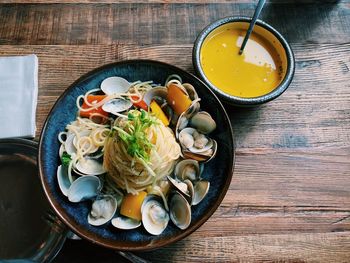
(218, 171)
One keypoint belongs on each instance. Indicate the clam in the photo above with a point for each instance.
(187, 169)
(182, 122)
(190, 189)
(155, 94)
(83, 188)
(103, 210)
(193, 109)
(200, 144)
(180, 211)
(154, 216)
(201, 189)
(204, 156)
(159, 95)
(185, 117)
(125, 223)
(61, 151)
(161, 189)
(190, 91)
(203, 122)
(116, 106)
(95, 155)
(87, 166)
(63, 180)
(181, 187)
(69, 145)
(115, 85)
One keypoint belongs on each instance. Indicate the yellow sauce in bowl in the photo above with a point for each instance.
(258, 71)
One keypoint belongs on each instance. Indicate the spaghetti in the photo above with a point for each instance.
(136, 172)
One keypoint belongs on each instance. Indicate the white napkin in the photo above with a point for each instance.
(18, 96)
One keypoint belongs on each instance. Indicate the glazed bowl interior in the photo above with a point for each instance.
(218, 171)
(269, 39)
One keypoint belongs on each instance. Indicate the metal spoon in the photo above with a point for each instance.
(258, 9)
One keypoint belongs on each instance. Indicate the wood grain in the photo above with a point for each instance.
(57, 24)
(313, 112)
(332, 247)
(319, 247)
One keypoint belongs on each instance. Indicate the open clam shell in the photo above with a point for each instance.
(187, 169)
(116, 106)
(102, 210)
(201, 156)
(83, 188)
(154, 93)
(180, 211)
(61, 151)
(201, 189)
(159, 95)
(191, 190)
(180, 186)
(203, 122)
(87, 166)
(154, 216)
(63, 180)
(69, 145)
(192, 93)
(125, 223)
(189, 139)
(115, 85)
(184, 118)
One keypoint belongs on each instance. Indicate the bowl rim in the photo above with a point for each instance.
(235, 100)
(130, 246)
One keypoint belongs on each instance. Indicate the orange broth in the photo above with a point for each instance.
(258, 71)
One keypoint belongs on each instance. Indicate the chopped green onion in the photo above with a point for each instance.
(133, 134)
(66, 159)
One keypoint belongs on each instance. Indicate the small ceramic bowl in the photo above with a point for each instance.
(266, 32)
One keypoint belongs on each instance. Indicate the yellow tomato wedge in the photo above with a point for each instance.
(158, 112)
(131, 205)
(178, 99)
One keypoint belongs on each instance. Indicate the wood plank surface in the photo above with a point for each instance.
(289, 199)
(313, 112)
(327, 248)
(57, 24)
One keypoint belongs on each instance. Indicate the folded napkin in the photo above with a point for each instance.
(18, 96)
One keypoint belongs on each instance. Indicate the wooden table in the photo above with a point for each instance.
(289, 199)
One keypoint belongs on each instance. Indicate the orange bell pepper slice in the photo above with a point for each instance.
(178, 99)
(93, 99)
(159, 113)
(141, 104)
(131, 205)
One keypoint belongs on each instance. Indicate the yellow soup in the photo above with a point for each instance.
(258, 71)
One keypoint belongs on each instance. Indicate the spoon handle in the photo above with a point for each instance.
(258, 9)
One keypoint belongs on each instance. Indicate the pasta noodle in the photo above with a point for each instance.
(125, 172)
(134, 174)
(89, 136)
